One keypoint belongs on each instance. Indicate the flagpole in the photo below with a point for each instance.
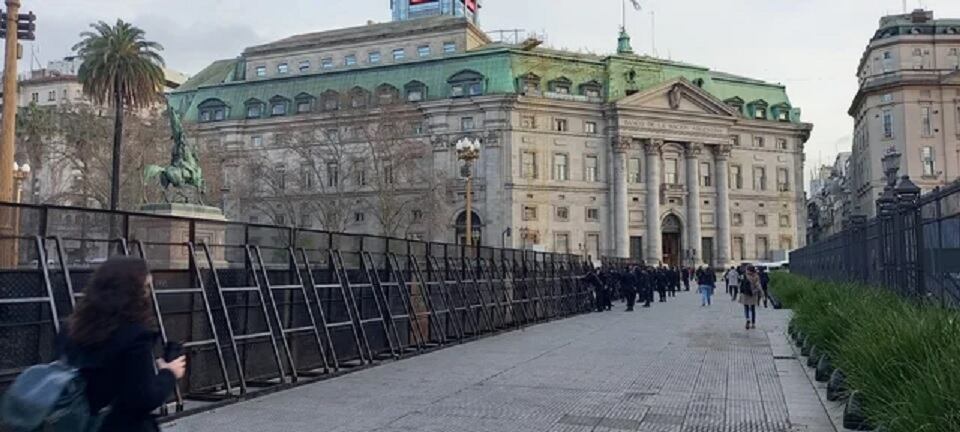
(623, 15)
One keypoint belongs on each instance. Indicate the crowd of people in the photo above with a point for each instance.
(640, 283)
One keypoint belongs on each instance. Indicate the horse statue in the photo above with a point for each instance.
(184, 169)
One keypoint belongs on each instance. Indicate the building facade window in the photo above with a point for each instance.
(350, 60)
(593, 215)
(466, 123)
(52, 96)
(560, 125)
(562, 214)
(590, 127)
(359, 217)
(561, 167)
(423, 51)
(782, 143)
(736, 177)
(592, 170)
(304, 104)
(283, 68)
(449, 47)
(671, 171)
(737, 248)
(887, 123)
(399, 54)
(306, 177)
(706, 179)
(737, 219)
(280, 177)
(761, 220)
(373, 57)
(529, 213)
(254, 110)
(783, 180)
(759, 142)
(560, 85)
(759, 178)
(763, 248)
(256, 141)
(633, 171)
(333, 174)
(926, 124)
(786, 243)
(528, 165)
(278, 107)
(326, 63)
(593, 246)
(261, 71)
(929, 165)
(304, 66)
(416, 91)
(466, 83)
(528, 122)
(561, 243)
(213, 110)
(785, 221)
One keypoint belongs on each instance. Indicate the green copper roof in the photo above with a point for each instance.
(500, 64)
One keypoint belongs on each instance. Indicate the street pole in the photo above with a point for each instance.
(9, 105)
(469, 210)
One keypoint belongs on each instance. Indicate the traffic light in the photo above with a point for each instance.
(26, 25)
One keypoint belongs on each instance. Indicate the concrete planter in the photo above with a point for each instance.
(854, 418)
(824, 368)
(805, 348)
(837, 386)
(813, 355)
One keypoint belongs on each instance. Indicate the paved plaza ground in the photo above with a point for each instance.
(675, 367)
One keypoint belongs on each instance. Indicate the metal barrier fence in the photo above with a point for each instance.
(912, 248)
(264, 307)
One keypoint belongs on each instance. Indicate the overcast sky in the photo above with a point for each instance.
(811, 46)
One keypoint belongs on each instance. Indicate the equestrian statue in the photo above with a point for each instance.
(184, 169)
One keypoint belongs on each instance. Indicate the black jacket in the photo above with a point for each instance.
(120, 373)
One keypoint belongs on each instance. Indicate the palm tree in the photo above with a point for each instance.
(120, 69)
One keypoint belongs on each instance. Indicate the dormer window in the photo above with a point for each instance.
(279, 106)
(735, 103)
(304, 102)
(254, 108)
(416, 91)
(758, 109)
(330, 100)
(530, 84)
(466, 83)
(387, 94)
(698, 82)
(212, 110)
(359, 98)
(592, 90)
(782, 112)
(560, 85)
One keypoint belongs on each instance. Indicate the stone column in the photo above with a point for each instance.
(722, 156)
(620, 198)
(653, 240)
(693, 205)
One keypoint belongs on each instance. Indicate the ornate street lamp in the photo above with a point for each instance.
(891, 165)
(468, 150)
(907, 191)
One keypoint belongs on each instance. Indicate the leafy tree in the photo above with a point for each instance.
(121, 69)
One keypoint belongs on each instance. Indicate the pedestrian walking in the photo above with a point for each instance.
(707, 281)
(750, 292)
(732, 279)
(108, 338)
(628, 285)
(592, 279)
(685, 275)
(765, 285)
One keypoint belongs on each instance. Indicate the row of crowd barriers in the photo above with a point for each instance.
(265, 315)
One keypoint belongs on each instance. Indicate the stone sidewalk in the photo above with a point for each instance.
(675, 367)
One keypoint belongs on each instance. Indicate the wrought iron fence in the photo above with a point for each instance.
(264, 307)
(912, 248)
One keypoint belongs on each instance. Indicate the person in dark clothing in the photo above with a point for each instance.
(628, 288)
(646, 286)
(685, 276)
(765, 284)
(108, 338)
(674, 281)
(594, 281)
(663, 283)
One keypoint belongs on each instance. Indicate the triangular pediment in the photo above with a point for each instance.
(677, 95)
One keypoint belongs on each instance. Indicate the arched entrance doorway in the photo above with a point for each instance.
(672, 233)
(461, 226)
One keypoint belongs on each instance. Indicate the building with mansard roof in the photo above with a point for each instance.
(602, 155)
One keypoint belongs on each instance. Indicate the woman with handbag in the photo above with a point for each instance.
(750, 293)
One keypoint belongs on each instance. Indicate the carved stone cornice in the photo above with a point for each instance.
(722, 152)
(652, 147)
(693, 150)
(621, 144)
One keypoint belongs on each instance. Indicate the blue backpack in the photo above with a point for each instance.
(48, 398)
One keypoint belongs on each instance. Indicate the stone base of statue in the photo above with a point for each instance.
(166, 238)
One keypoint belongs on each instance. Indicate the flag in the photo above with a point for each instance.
(636, 4)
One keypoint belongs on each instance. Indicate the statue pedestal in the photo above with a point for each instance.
(165, 239)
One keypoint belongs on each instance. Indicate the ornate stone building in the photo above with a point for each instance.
(619, 154)
(909, 99)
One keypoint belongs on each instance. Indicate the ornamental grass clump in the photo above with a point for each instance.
(903, 358)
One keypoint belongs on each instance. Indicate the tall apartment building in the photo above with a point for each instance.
(619, 154)
(909, 99)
